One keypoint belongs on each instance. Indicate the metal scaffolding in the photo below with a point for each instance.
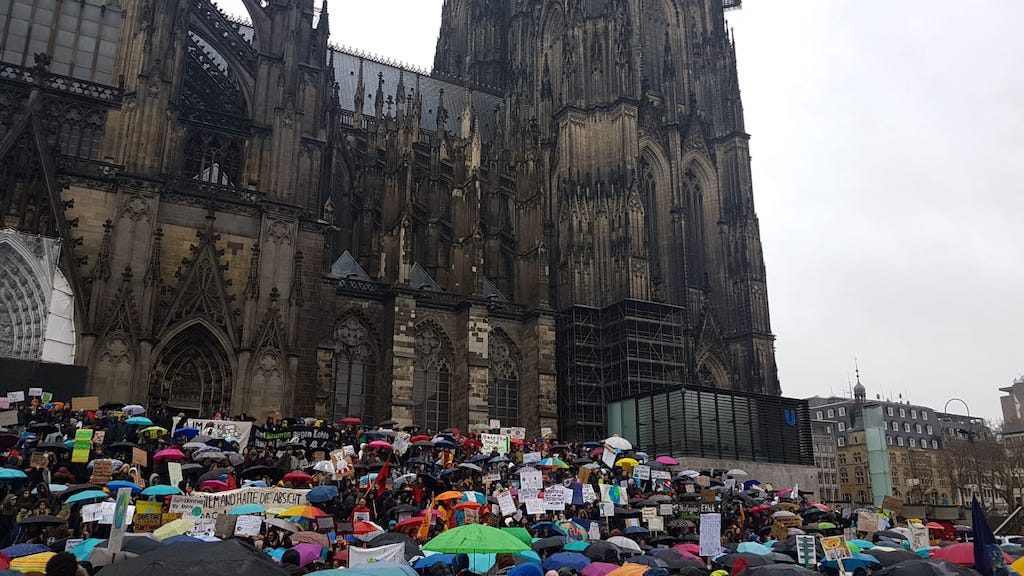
(626, 350)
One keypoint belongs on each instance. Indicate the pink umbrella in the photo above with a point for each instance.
(214, 485)
(170, 454)
(598, 568)
(687, 548)
(667, 461)
(307, 552)
(380, 444)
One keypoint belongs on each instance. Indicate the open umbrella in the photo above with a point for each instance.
(281, 523)
(552, 463)
(297, 476)
(618, 443)
(247, 509)
(139, 421)
(227, 557)
(302, 512)
(32, 563)
(598, 569)
(626, 463)
(560, 560)
(161, 490)
(322, 494)
(168, 455)
(892, 556)
(115, 485)
(549, 543)
(475, 539)
(214, 486)
(667, 460)
(925, 567)
(88, 496)
(19, 550)
(42, 520)
(11, 474)
(379, 445)
(625, 544)
(188, 432)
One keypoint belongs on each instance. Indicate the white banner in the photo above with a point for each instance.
(710, 534)
(494, 442)
(239, 431)
(393, 553)
(202, 505)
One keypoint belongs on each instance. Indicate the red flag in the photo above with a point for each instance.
(382, 479)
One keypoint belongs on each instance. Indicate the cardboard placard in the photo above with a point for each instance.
(867, 522)
(545, 432)
(835, 548)
(781, 526)
(584, 475)
(534, 506)
(9, 418)
(641, 472)
(554, 498)
(39, 460)
(588, 493)
(892, 504)
(174, 471)
(85, 403)
(148, 516)
(139, 457)
(224, 527)
(15, 397)
(99, 437)
(531, 457)
(648, 512)
(530, 479)
(665, 509)
(35, 392)
(506, 503)
(656, 524)
(919, 538)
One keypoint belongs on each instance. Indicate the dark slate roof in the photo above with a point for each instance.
(347, 267)
(422, 281)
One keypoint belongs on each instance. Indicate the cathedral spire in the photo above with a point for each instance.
(359, 99)
(378, 98)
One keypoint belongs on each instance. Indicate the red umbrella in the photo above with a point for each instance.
(380, 444)
(420, 438)
(297, 476)
(168, 455)
(408, 524)
(598, 569)
(962, 554)
(687, 548)
(351, 420)
(214, 485)
(365, 528)
(934, 526)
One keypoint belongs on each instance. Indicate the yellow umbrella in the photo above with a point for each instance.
(276, 511)
(626, 463)
(174, 528)
(154, 430)
(304, 512)
(449, 495)
(32, 563)
(1018, 565)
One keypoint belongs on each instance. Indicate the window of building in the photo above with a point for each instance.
(929, 428)
(860, 497)
(924, 415)
(828, 429)
(841, 442)
(918, 428)
(842, 411)
(819, 415)
(906, 426)
(935, 444)
(844, 478)
(842, 459)
(888, 440)
(503, 380)
(831, 413)
(857, 458)
(899, 440)
(841, 426)
(913, 413)
(913, 442)
(431, 387)
(355, 370)
(903, 412)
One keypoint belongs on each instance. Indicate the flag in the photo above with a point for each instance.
(382, 479)
(424, 530)
(988, 558)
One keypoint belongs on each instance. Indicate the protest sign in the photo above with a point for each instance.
(661, 475)
(584, 475)
(84, 403)
(614, 494)
(81, 446)
(531, 479)
(608, 457)
(9, 418)
(919, 538)
(648, 512)
(98, 437)
(494, 424)
(71, 543)
(47, 397)
(588, 493)
(594, 532)
(139, 457)
(607, 509)
(554, 498)
(656, 524)
(39, 460)
(239, 431)
(246, 525)
(665, 509)
(892, 504)
(35, 392)
(534, 506)
(216, 504)
(781, 526)
(148, 516)
(867, 522)
(710, 534)
(4, 402)
(506, 503)
(174, 471)
(531, 457)
(224, 526)
(806, 552)
(641, 472)
(119, 524)
(203, 528)
(545, 432)
(835, 548)
(389, 554)
(15, 397)
(494, 443)
(517, 433)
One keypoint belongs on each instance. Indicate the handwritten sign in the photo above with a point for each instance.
(82, 446)
(139, 457)
(15, 397)
(892, 504)
(248, 525)
(530, 478)
(506, 503)
(806, 552)
(39, 460)
(641, 472)
(534, 506)
(531, 457)
(867, 522)
(835, 548)
(554, 498)
(494, 443)
(174, 471)
(710, 534)
(665, 510)
(656, 524)
(607, 509)
(35, 392)
(588, 493)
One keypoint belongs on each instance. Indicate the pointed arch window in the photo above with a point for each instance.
(431, 387)
(193, 373)
(354, 380)
(213, 158)
(503, 380)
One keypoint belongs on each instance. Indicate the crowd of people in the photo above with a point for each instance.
(121, 489)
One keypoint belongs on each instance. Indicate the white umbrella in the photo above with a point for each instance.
(211, 455)
(133, 410)
(783, 514)
(736, 472)
(690, 473)
(196, 446)
(113, 462)
(796, 532)
(324, 466)
(404, 478)
(618, 442)
(626, 544)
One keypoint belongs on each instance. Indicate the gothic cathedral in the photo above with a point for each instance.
(249, 220)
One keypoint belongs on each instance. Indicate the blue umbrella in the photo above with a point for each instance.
(243, 509)
(550, 528)
(322, 494)
(859, 560)
(754, 548)
(11, 474)
(84, 549)
(375, 569)
(116, 485)
(635, 530)
(479, 458)
(181, 540)
(87, 496)
(429, 561)
(449, 471)
(188, 432)
(527, 569)
(161, 490)
(19, 550)
(443, 443)
(139, 421)
(559, 560)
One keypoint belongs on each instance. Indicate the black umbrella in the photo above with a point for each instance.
(674, 560)
(925, 567)
(549, 543)
(651, 561)
(199, 559)
(42, 520)
(402, 508)
(186, 468)
(387, 424)
(779, 570)
(253, 471)
(681, 523)
(423, 444)
(53, 446)
(412, 549)
(891, 535)
(135, 544)
(214, 474)
(42, 428)
(602, 551)
(665, 540)
(76, 488)
(430, 482)
(726, 561)
(123, 445)
(8, 440)
(893, 557)
(111, 406)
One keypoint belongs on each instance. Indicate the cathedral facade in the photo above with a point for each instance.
(250, 220)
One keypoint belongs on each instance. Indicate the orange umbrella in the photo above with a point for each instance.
(304, 511)
(629, 569)
(450, 495)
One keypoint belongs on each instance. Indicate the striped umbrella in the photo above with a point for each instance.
(33, 563)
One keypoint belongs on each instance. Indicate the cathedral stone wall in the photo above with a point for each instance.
(256, 222)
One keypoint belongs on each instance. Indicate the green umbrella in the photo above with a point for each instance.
(826, 526)
(520, 533)
(576, 546)
(475, 539)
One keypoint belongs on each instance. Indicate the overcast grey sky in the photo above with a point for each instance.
(887, 175)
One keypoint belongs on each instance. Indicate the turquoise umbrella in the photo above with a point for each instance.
(376, 569)
(139, 421)
(161, 490)
(243, 509)
(87, 496)
(11, 474)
